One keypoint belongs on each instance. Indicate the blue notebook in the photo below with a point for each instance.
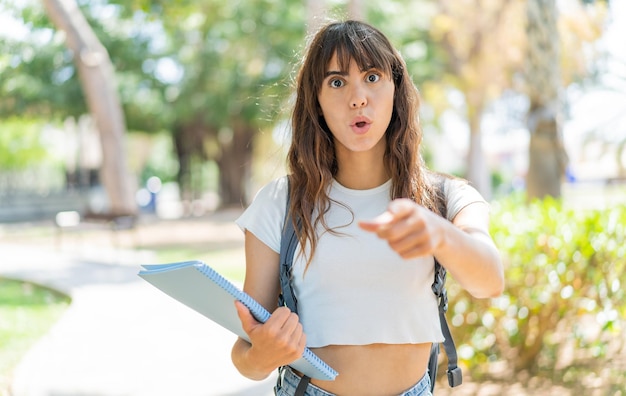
(201, 288)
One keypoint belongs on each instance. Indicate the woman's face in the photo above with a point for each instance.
(357, 106)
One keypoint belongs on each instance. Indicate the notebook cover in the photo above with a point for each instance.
(201, 288)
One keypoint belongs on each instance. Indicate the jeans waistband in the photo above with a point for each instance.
(290, 381)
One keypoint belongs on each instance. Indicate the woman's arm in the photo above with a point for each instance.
(463, 246)
(278, 341)
(469, 253)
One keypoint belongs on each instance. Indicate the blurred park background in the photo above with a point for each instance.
(130, 115)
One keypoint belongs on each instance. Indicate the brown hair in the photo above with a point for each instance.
(311, 157)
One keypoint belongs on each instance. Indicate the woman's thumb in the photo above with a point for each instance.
(246, 318)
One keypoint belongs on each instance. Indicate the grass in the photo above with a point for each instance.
(27, 311)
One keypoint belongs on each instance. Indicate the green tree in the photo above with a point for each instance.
(38, 75)
(40, 80)
(236, 58)
(212, 73)
(215, 73)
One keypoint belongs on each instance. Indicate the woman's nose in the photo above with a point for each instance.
(359, 99)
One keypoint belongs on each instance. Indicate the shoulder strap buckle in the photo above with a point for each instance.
(455, 377)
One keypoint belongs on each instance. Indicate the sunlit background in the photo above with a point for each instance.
(134, 131)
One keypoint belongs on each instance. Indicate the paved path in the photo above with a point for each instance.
(120, 336)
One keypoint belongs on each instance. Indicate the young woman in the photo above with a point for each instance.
(363, 272)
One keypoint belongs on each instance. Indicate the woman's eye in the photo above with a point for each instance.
(373, 77)
(336, 83)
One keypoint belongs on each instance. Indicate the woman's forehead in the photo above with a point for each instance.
(341, 60)
(337, 64)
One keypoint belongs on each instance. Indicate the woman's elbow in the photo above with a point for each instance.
(493, 291)
(490, 291)
(493, 287)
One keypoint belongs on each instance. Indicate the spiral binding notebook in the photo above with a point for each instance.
(201, 288)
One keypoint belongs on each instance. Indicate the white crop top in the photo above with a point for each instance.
(357, 290)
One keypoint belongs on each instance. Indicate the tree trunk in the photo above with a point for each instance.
(97, 77)
(234, 164)
(547, 158)
(477, 170)
(189, 142)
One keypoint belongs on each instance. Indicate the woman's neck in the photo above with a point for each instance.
(361, 172)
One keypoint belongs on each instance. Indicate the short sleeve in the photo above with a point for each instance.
(265, 216)
(459, 194)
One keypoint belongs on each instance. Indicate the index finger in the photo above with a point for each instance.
(382, 220)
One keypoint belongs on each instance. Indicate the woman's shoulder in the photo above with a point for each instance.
(458, 194)
(274, 189)
(264, 217)
(455, 191)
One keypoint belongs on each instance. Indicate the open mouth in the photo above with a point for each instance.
(360, 124)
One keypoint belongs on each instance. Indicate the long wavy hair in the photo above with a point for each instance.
(311, 159)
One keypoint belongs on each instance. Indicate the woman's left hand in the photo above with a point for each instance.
(410, 229)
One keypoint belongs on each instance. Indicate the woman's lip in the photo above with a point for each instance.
(359, 130)
(360, 119)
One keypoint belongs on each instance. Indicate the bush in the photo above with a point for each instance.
(20, 144)
(563, 306)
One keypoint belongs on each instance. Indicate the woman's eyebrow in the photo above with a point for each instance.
(335, 73)
(345, 73)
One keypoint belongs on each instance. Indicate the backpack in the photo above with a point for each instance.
(288, 244)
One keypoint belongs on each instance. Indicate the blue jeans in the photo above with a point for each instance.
(290, 381)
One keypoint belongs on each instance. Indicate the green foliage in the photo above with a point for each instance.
(407, 24)
(236, 56)
(40, 79)
(563, 303)
(20, 144)
(161, 162)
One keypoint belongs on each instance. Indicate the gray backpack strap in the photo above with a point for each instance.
(455, 375)
(288, 244)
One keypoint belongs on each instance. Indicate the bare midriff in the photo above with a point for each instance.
(374, 369)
